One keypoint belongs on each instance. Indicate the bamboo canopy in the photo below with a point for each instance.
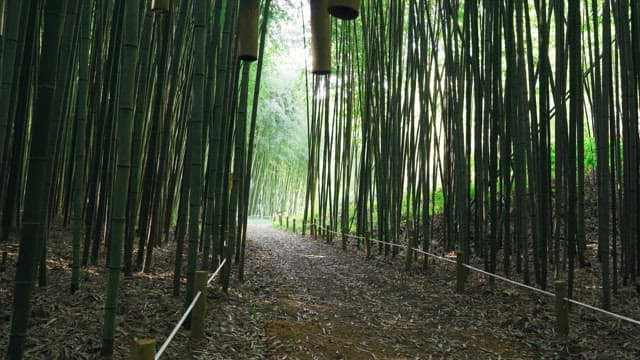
(320, 37)
(160, 5)
(248, 30)
(344, 9)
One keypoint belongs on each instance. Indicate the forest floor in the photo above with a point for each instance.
(306, 299)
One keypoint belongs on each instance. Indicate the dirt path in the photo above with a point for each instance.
(306, 299)
(316, 301)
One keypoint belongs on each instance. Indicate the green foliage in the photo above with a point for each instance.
(590, 158)
(281, 132)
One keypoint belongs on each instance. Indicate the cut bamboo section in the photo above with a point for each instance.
(320, 38)
(160, 5)
(1, 17)
(248, 30)
(344, 9)
(143, 349)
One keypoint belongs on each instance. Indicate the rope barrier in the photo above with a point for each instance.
(434, 255)
(620, 317)
(186, 313)
(509, 280)
(178, 326)
(388, 243)
(396, 245)
(544, 292)
(215, 274)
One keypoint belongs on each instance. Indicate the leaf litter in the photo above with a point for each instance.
(306, 299)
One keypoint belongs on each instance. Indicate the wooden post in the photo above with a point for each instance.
(344, 240)
(409, 255)
(143, 349)
(294, 225)
(199, 310)
(562, 309)
(3, 263)
(460, 272)
(367, 244)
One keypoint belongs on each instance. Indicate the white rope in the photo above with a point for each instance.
(187, 312)
(175, 329)
(509, 280)
(434, 255)
(591, 307)
(628, 319)
(390, 244)
(617, 316)
(217, 271)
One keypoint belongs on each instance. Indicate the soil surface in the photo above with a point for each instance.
(304, 298)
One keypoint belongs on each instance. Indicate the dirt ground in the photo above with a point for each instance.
(306, 299)
(316, 301)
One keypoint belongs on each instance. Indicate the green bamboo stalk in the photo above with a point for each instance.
(194, 143)
(80, 141)
(35, 195)
(252, 131)
(127, 65)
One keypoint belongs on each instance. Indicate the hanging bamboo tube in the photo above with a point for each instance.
(1, 17)
(344, 9)
(320, 38)
(248, 30)
(160, 5)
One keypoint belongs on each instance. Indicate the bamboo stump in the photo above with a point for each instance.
(367, 245)
(562, 309)
(143, 349)
(460, 272)
(199, 310)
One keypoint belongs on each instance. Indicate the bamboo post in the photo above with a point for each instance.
(367, 244)
(199, 310)
(344, 9)
(320, 38)
(160, 5)
(294, 225)
(562, 309)
(3, 263)
(287, 222)
(344, 240)
(248, 30)
(314, 229)
(304, 228)
(460, 272)
(280, 219)
(409, 254)
(143, 349)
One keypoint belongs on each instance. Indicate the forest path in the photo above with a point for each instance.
(316, 301)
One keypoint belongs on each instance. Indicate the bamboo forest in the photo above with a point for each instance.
(319, 179)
